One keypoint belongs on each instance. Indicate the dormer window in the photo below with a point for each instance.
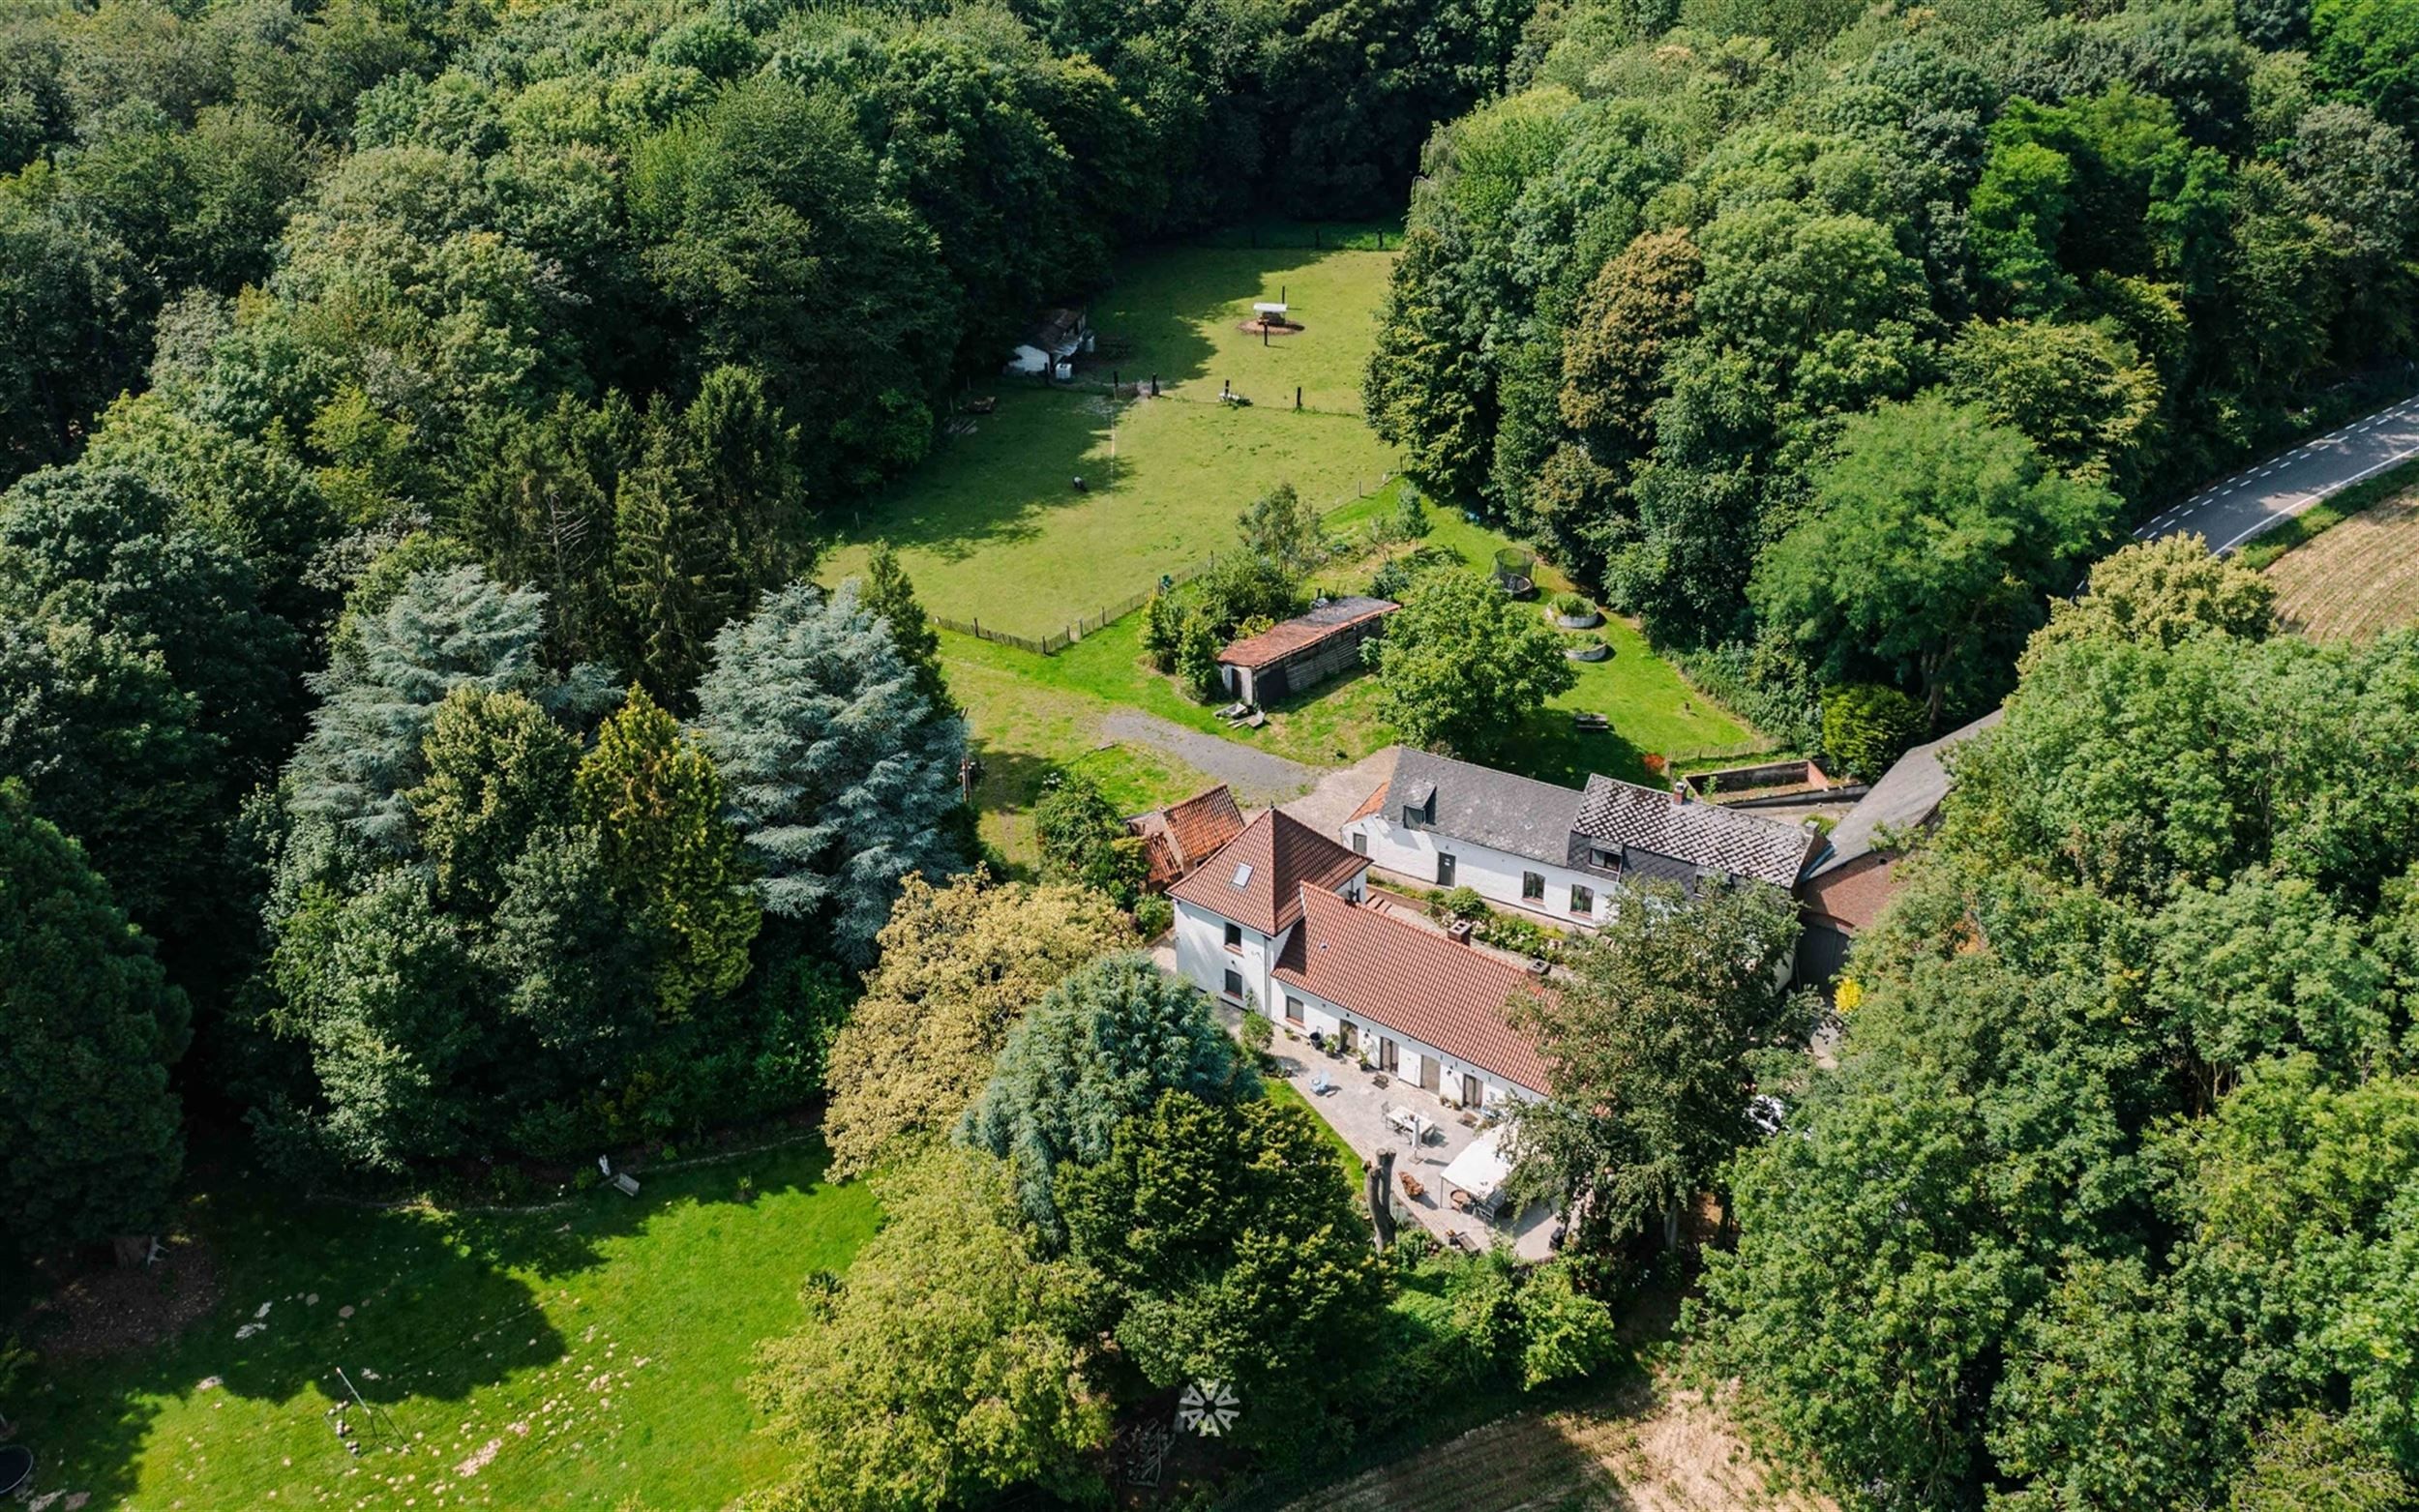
(1243, 875)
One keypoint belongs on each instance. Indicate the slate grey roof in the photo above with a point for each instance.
(1653, 830)
(1518, 815)
(1906, 798)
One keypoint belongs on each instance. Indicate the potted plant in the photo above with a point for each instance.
(1573, 613)
(1588, 648)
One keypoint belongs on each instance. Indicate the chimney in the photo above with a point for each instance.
(1680, 789)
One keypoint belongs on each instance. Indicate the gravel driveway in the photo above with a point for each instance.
(1257, 777)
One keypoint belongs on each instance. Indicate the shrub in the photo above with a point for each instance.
(1259, 1033)
(1564, 1333)
(1153, 916)
(1569, 606)
(1463, 902)
(1867, 727)
(1197, 659)
(1164, 630)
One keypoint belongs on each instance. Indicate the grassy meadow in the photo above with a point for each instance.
(991, 526)
(553, 1357)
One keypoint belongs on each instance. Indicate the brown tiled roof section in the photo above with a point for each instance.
(1181, 836)
(1203, 822)
(1280, 640)
(1285, 857)
(1422, 985)
(1371, 804)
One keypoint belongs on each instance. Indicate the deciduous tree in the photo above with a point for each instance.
(1460, 667)
(947, 1365)
(960, 966)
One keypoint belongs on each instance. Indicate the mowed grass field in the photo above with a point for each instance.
(2358, 579)
(591, 1353)
(991, 526)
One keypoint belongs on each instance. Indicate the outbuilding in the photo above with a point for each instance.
(1302, 652)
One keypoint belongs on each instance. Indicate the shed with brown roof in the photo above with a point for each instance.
(1303, 651)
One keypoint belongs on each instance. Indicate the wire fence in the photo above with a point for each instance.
(1108, 614)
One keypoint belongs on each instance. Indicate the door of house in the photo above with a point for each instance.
(1428, 1072)
(1471, 1093)
(1350, 1034)
(1389, 1055)
(1444, 869)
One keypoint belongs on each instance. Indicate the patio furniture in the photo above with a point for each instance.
(626, 1184)
(1234, 711)
(1412, 1187)
(1591, 724)
(1402, 1120)
(1320, 1086)
(1460, 1199)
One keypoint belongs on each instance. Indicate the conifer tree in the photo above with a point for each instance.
(669, 858)
(843, 777)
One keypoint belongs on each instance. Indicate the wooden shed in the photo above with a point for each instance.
(1303, 651)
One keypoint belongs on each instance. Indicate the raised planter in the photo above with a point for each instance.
(1598, 652)
(1588, 621)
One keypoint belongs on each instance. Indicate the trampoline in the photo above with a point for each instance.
(17, 1470)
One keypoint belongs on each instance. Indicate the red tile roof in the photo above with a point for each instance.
(1181, 836)
(1371, 804)
(1258, 878)
(1419, 984)
(1307, 630)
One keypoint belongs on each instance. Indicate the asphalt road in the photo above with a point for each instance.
(2232, 512)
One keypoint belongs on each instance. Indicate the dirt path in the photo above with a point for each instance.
(1642, 1449)
(1257, 777)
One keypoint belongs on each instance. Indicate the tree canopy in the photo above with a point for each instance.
(1460, 666)
(91, 1135)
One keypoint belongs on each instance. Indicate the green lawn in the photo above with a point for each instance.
(1346, 1158)
(991, 527)
(1653, 708)
(600, 1347)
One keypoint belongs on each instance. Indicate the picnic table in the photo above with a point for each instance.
(1404, 1121)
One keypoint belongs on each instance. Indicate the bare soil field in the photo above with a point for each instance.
(2358, 578)
(1644, 1448)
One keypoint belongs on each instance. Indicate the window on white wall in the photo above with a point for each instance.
(1292, 1009)
(1531, 887)
(1582, 900)
(1361, 843)
(1234, 937)
(1235, 984)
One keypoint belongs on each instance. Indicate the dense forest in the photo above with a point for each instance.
(427, 755)
(1721, 299)
(2109, 1200)
(405, 408)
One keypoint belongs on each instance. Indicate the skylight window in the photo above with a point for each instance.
(1243, 874)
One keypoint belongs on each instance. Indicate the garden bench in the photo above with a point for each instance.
(1591, 724)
